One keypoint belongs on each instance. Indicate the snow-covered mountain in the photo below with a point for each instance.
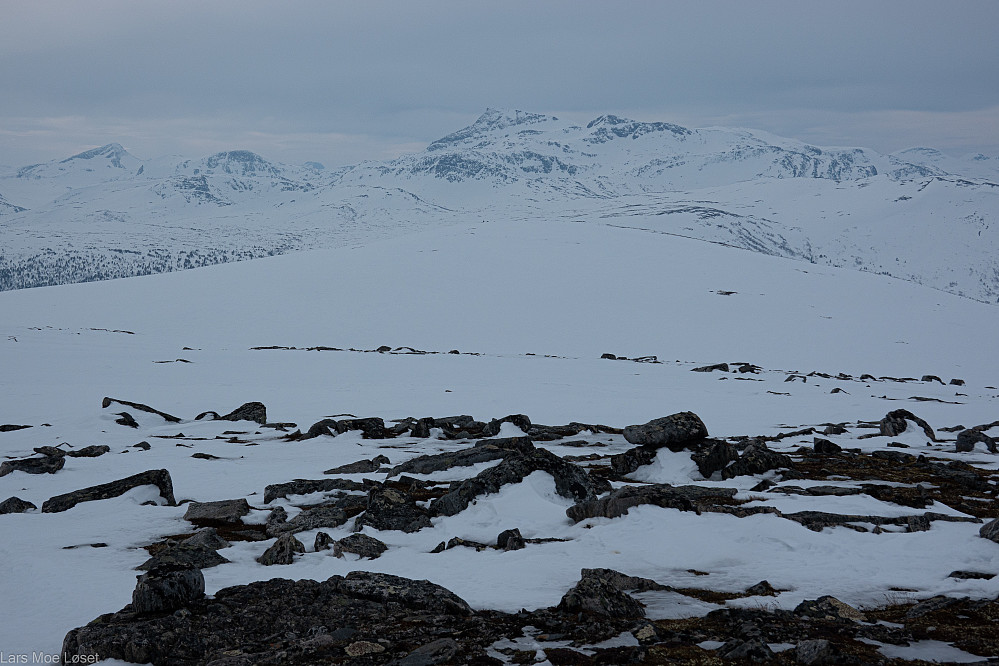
(916, 215)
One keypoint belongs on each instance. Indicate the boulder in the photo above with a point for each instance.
(674, 431)
(391, 509)
(599, 594)
(166, 589)
(16, 505)
(206, 537)
(510, 540)
(309, 486)
(966, 440)
(184, 555)
(713, 457)
(894, 423)
(282, 552)
(250, 411)
(361, 466)
(632, 459)
(520, 420)
(756, 459)
(723, 367)
(817, 651)
(43, 465)
(570, 481)
(323, 542)
(222, 512)
(990, 530)
(156, 477)
(824, 447)
(361, 545)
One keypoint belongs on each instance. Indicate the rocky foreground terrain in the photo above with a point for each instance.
(920, 478)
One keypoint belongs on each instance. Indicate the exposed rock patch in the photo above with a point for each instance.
(157, 477)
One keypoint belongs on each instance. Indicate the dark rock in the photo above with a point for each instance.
(957, 382)
(609, 357)
(142, 445)
(436, 462)
(762, 589)
(990, 530)
(966, 440)
(931, 605)
(420, 594)
(361, 545)
(156, 477)
(673, 431)
(126, 419)
(43, 465)
(249, 411)
(971, 575)
(750, 368)
(16, 505)
(309, 486)
(311, 518)
(711, 368)
(818, 651)
(206, 537)
(753, 650)
(166, 589)
(829, 608)
(222, 512)
(825, 447)
(894, 423)
(931, 378)
(92, 451)
(632, 459)
(599, 594)
(835, 429)
(282, 552)
(510, 540)
(570, 481)
(684, 498)
(10, 427)
(713, 457)
(323, 542)
(756, 459)
(520, 420)
(319, 428)
(140, 407)
(440, 651)
(390, 509)
(361, 466)
(918, 523)
(182, 556)
(51, 451)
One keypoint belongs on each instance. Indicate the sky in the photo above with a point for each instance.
(342, 82)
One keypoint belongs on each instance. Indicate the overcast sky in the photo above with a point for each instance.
(340, 82)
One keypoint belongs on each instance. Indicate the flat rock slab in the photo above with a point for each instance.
(222, 512)
(155, 477)
(43, 465)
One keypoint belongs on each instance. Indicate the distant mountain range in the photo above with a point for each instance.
(917, 214)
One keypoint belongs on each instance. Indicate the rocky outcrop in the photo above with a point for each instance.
(282, 552)
(966, 440)
(249, 411)
(570, 481)
(309, 486)
(184, 555)
(684, 498)
(990, 530)
(166, 589)
(598, 591)
(361, 545)
(674, 431)
(894, 423)
(156, 477)
(484, 450)
(16, 505)
(756, 459)
(361, 466)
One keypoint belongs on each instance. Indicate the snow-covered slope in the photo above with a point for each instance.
(916, 215)
(530, 306)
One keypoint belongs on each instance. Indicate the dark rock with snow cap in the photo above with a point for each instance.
(156, 477)
(16, 505)
(674, 431)
(894, 423)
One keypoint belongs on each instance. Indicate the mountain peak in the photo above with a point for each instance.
(113, 152)
(492, 120)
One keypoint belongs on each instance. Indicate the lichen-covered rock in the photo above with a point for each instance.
(156, 477)
(412, 593)
(16, 505)
(323, 542)
(990, 530)
(597, 593)
(222, 512)
(684, 498)
(361, 545)
(674, 431)
(282, 552)
(166, 589)
(391, 509)
(42, 465)
(184, 555)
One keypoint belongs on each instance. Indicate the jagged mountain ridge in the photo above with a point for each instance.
(917, 214)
